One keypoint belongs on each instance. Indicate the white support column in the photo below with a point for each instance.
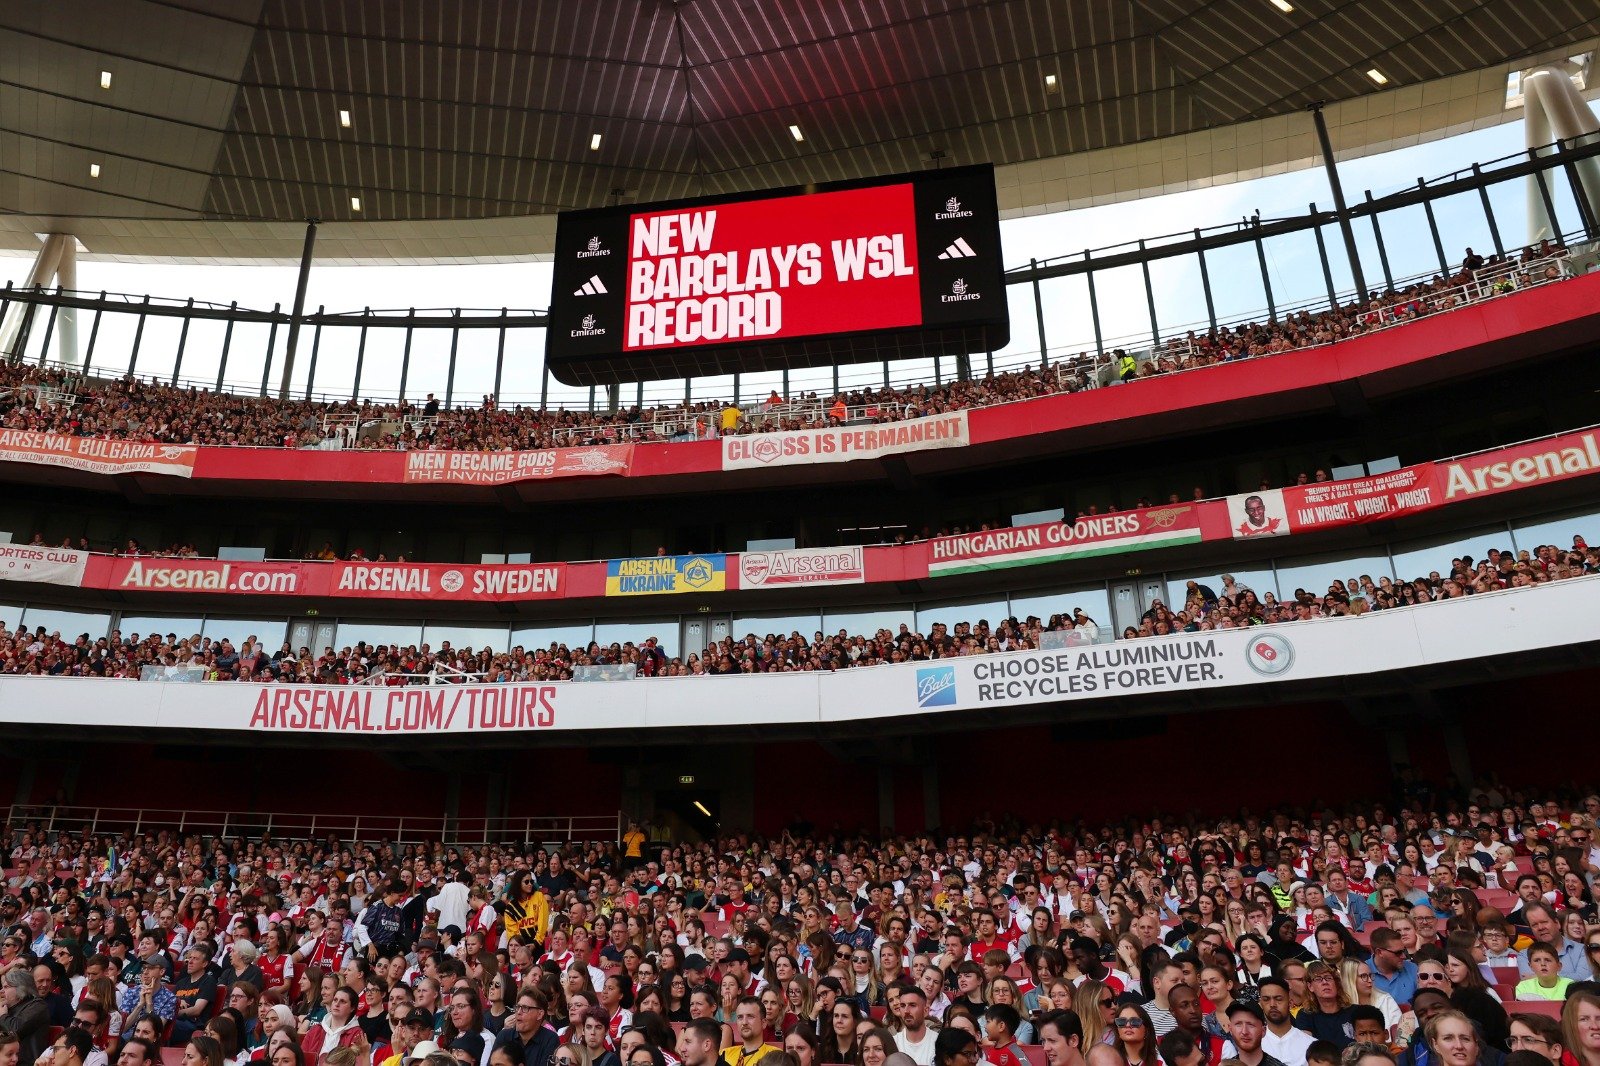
(67, 325)
(1562, 114)
(42, 274)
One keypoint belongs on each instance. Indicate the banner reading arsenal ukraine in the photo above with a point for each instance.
(1126, 531)
(502, 468)
(665, 574)
(97, 455)
(843, 444)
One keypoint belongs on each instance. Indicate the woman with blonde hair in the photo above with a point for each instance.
(1356, 978)
(1003, 991)
(1095, 1005)
(1580, 1027)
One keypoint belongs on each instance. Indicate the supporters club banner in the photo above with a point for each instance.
(1422, 637)
(97, 455)
(503, 468)
(50, 566)
(1150, 527)
(843, 444)
(792, 567)
(666, 574)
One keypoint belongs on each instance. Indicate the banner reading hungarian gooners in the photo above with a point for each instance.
(502, 468)
(844, 444)
(1125, 531)
(96, 455)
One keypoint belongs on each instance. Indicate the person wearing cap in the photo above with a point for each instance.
(148, 997)
(1247, 1024)
(408, 1034)
(422, 1050)
(467, 1049)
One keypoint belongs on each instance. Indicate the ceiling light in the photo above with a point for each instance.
(344, 119)
(355, 203)
(701, 807)
(1378, 76)
(94, 170)
(794, 131)
(594, 143)
(1049, 81)
(1283, 5)
(105, 79)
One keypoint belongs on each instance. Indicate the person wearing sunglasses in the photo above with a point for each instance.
(1134, 1036)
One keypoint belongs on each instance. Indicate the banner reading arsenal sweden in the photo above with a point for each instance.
(501, 468)
(97, 455)
(843, 444)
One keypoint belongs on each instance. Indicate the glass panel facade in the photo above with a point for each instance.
(572, 634)
(665, 630)
(1260, 582)
(1558, 530)
(992, 611)
(466, 635)
(270, 631)
(1420, 558)
(1094, 602)
(352, 632)
(1315, 573)
(181, 626)
(761, 625)
(68, 623)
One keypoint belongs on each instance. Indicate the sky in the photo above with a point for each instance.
(1292, 264)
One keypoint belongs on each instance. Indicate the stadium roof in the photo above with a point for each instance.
(460, 127)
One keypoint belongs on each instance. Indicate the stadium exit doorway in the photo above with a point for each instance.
(1131, 599)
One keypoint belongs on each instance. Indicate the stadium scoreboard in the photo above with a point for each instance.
(888, 268)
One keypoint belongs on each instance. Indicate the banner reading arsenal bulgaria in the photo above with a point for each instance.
(35, 562)
(97, 455)
(1126, 531)
(843, 444)
(501, 468)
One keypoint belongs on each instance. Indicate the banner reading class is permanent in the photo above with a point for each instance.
(843, 444)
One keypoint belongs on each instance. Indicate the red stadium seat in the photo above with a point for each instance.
(1549, 1007)
(1016, 971)
(1505, 974)
(878, 1013)
(1034, 1053)
(172, 1056)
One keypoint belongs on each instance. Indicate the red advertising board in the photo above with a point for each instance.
(835, 262)
(1362, 499)
(1520, 466)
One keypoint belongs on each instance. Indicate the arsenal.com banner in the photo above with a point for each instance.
(385, 581)
(34, 562)
(97, 455)
(843, 444)
(501, 468)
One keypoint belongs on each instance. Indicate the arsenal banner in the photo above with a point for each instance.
(502, 468)
(842, 444)
(97, 455)
(35, 562)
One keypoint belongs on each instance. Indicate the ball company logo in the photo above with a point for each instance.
(451, 581)
(589, 328)
(936, 686)
(952, 209)
(594, 249)
(1269, 655)
(959, 293)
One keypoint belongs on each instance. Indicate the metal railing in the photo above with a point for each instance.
(1549, 169)
(544, 830)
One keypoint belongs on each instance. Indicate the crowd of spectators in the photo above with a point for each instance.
(150, 410)
(1445, 925)
(1230, 605)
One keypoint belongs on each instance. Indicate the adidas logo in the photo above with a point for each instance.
(959, 250)
(593, 287)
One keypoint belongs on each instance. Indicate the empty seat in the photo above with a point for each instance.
(1549, 1007)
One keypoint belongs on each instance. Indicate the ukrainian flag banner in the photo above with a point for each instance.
(665, 574)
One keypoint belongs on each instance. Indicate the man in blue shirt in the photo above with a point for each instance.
(1392, 972)
(1547, 928)
(1341, 900)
